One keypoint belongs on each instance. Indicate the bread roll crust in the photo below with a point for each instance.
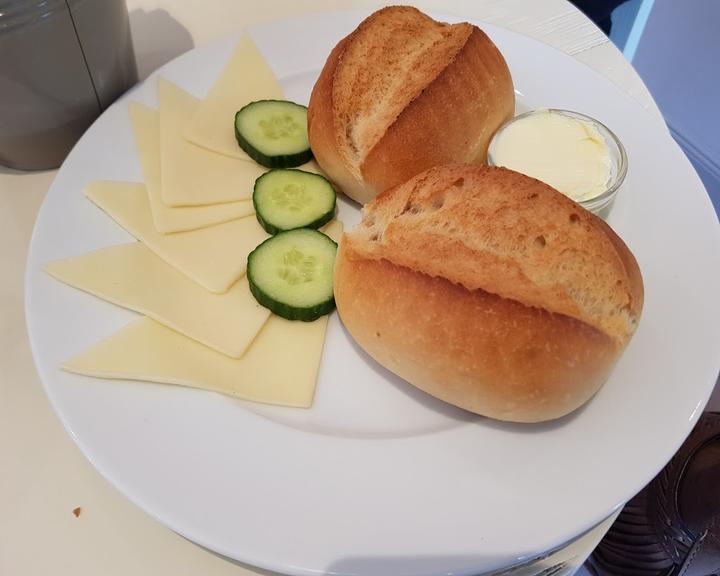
(476, 350)
(446, 284)
(403, 93)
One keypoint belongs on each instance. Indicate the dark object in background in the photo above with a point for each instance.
(599, 11)
(61, 63)
(672, 527)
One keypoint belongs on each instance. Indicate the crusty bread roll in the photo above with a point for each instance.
(490, 290)
(403, 93)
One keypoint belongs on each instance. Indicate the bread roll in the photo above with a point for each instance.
(490, 290)
(403, 93)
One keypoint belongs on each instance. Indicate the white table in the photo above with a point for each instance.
(43, 476)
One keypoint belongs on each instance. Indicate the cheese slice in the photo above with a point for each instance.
(132, 276)
(214, 257)
(245, 78)
(280, 367)
(146, 126)
(192, 175)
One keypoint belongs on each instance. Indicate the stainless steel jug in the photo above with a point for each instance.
(61, 63)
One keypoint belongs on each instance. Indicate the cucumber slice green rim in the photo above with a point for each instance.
(291, 274)
(274, 133)
(286, 199)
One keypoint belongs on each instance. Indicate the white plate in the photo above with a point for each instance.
(378, 478)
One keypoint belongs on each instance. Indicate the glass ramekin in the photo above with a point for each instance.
(601, 203)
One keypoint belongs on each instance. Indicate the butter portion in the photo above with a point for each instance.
(567, 153)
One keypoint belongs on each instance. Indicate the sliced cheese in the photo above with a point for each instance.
(192, 175)
(132, 276)
(167, 219)
(245, 78)
(313, 167)
(280, 367)
(334, 229)
(214, 257)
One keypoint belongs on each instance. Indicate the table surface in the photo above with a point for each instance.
(43, 476)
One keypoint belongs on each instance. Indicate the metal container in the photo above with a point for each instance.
(61, 63)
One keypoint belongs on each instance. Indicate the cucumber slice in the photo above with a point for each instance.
(288, 199)
(274, 133)
(292, 274)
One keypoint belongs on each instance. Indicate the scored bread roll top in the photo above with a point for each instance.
(403, 93)
(489, 290)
